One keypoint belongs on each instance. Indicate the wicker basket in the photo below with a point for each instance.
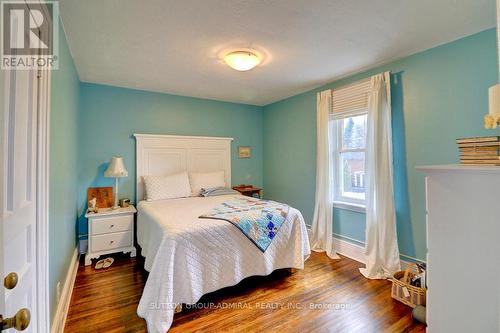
(402, 280)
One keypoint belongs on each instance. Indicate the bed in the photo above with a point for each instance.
(186, 256)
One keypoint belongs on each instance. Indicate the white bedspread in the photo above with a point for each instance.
(188, 257)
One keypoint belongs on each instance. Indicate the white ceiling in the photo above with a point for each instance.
(176, 46)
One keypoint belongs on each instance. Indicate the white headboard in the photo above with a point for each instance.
(166, 154)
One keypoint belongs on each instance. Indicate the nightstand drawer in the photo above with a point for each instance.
(107, 225)
(111, 241)
(110, 231)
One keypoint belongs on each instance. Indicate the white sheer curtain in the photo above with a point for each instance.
(322, 233)
(382, 253)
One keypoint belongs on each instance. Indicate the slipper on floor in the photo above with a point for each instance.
(99, 264)
(108, 262)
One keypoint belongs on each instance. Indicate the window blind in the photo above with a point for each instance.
(351, 100)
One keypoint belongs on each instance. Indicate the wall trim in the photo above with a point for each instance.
(413, 259)
(349, 250)
(357, 252)
(350, 239)
(65, 299)
(350, 206)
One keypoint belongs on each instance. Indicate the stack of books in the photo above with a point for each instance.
(480, 150)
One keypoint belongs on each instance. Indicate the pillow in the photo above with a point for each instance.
(167, 187)
(219, 190)
(201, 180)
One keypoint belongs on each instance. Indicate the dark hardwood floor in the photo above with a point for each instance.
(328, 296)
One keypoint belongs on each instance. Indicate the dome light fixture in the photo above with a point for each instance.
(242, 60)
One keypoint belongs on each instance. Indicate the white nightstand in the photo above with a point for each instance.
(110, 231)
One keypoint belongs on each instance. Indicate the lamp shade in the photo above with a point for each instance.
(116, 168)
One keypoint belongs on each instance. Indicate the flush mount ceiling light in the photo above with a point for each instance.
(242, 60)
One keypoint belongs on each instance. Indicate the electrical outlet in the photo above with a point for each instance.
(58, 290)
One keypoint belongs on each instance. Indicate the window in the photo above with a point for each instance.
(348, 126)
(349, 157)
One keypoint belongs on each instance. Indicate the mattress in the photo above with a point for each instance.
(188, 257)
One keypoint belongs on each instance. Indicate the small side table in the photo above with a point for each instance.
(249, 190)
(110, 231)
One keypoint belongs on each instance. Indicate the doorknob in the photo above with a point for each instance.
(20, 321)
(10, 281)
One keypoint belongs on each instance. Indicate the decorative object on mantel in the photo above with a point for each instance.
(116, 169)
(103, 197)
(479, 150)
(244, 152)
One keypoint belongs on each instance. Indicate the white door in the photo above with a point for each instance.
(18, 166)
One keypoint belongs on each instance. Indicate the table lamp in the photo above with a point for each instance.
(116, 169)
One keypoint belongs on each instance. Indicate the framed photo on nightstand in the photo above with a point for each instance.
(103, 195)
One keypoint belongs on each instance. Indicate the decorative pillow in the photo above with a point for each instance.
(167, 187)
(199, 180)
(219, 190)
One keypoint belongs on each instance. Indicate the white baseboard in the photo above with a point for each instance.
(355, 251)
(349, 250)
(65, 299)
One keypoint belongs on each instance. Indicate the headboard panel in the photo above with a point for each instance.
(166, 154)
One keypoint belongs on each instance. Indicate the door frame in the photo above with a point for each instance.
(42, 210)
(42, 183)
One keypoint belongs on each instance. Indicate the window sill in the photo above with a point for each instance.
(350, 206)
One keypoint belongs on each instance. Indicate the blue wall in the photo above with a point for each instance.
(437, 96)
(109, 116)
(63, 175)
